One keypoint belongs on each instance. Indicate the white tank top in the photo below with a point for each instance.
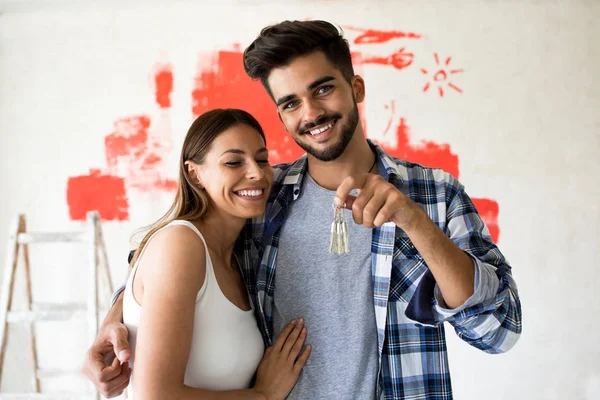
(226, 343)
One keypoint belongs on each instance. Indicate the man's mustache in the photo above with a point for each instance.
(319, 121)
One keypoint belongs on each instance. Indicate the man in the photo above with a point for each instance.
(419, 256)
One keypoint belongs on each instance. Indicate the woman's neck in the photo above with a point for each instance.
(220, 232)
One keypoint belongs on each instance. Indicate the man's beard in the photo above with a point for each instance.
(337, 149)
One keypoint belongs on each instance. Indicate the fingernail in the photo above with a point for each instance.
(301, 320)
(293, 322)
(122, 355)
(337, 201)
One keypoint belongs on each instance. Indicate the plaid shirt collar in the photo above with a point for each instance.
(386, 166)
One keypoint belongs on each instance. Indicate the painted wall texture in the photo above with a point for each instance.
(95, 103)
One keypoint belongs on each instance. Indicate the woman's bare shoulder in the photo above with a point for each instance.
(174, 255)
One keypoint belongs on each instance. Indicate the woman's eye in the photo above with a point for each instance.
(233, 163)
(262, 161)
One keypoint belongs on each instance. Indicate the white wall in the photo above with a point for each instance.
(525, 129)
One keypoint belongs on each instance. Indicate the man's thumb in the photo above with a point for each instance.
(122, 351)
(121, 345)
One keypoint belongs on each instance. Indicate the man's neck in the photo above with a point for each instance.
(357, 158)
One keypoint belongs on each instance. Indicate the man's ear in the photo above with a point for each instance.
(358, 87)
(194, 173)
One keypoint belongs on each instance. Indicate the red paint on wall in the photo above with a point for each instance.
(427, 153)
(168, 185)
(374, 36)
(399, 60)
(226, 85)
(441, 76)
(104, 193)
(163, 80)
(436, 155)
(221, 82)
(488, 210)
(128, 139)
(133, 152)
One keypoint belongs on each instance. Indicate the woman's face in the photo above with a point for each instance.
(236, 173)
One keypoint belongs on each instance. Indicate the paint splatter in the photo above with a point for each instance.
(128, 140)
(374, 36)
(441, 76)
(222, 83)
(488, 210)
(437, 155)
(427, 153)
(399, 60)
(135, 159)
(104, 193)
(163, 80)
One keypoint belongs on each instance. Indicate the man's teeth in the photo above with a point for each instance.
(321, 130)
(250, 193)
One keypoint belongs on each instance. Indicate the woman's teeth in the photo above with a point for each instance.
(250, 193)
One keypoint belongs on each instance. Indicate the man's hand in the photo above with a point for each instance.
(378, 202)
(109, 373)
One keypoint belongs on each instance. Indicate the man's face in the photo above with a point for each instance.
(317, 106)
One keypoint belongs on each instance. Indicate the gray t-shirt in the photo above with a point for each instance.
(333, 293)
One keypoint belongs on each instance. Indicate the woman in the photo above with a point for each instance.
(190, 320)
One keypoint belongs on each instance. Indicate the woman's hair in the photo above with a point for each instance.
(278, 45)
(190, 202)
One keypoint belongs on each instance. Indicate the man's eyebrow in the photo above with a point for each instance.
(313, 85)
(285, 99)
(320, 81)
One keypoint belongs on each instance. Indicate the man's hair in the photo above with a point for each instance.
(278, 45)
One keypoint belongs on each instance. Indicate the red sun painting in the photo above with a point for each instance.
(441, 76)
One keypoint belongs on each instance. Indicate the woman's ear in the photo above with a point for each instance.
(194, 173)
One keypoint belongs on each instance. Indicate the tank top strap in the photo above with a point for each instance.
(210, 273)
(191, 226)
(209, 266)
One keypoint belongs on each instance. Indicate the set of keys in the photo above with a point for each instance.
(338, 242)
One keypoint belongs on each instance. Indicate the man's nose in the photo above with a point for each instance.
(312, 111)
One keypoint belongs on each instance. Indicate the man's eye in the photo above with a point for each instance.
(290, 105)
(324, 89)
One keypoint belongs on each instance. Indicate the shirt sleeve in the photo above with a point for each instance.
(117, 292)
(121, 288)
(485, 287)
(490, 319)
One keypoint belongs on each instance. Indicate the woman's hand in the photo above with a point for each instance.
(281, 365)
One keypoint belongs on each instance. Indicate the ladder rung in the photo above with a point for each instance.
(47, 237)
(44, 373)
(59, 306)
(32, 316)
(46, 396)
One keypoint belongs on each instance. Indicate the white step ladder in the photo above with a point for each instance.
(20, 239)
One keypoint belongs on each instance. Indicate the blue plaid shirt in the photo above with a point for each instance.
(413, 362)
